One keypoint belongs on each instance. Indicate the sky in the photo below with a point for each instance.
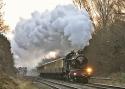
(16, 9)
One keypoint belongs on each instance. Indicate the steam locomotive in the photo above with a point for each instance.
(73, 67)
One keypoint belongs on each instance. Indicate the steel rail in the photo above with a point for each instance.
(103, 86)
(38, 80)
(53, 86)
(49, 85)
(61, 84)
(99, 86)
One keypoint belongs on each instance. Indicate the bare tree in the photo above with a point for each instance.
(3, 27)
(103, 12)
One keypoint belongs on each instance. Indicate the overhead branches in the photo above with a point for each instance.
(3, 27)
(103, 12)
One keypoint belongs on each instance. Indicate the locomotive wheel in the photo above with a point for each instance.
(66, 78)
(41, 75)
(85, 80)
(71, 79)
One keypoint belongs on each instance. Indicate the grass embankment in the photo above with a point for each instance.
(117, 79)
(29, 84)
(7, 82)
(23, 84)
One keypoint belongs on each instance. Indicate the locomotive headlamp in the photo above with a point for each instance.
(89, 70)
(74, 74)
(73, 58)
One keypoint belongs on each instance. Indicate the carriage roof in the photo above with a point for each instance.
(51, 62)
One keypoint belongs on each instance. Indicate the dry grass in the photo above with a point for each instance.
(118, 77)
(7, 83)
(26, 85)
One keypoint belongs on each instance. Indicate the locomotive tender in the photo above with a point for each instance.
(72, 67)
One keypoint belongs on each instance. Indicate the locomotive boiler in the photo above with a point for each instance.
(73, 67)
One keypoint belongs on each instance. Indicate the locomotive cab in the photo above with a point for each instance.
(77, 67)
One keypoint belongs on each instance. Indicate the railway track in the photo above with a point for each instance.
(58, 84)
(92, 85)
(55, 86)
(103, 86)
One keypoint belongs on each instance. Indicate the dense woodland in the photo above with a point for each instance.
(106, 51)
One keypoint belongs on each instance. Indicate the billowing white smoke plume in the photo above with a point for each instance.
(63, 29)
